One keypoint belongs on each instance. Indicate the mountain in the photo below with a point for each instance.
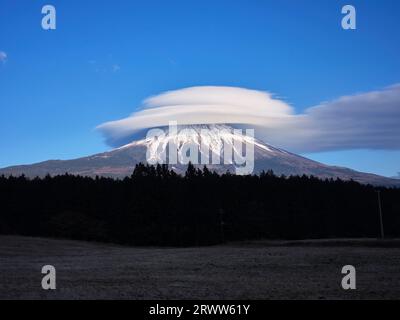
(121, 161)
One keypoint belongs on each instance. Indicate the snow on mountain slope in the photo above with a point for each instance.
(121, 161)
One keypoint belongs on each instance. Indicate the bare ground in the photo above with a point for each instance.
(246, 270)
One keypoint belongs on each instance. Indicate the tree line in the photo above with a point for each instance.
(156, 206)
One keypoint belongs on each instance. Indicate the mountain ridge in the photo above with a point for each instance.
(120, 162)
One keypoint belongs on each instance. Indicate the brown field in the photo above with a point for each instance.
(246, 270)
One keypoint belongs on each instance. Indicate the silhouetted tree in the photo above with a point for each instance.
(155, 206)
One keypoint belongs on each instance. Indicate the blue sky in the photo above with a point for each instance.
(105, 57)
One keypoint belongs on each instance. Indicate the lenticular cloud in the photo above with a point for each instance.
(364, 121)
(201, 105)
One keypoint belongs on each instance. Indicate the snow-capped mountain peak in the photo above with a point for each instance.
(196, 139)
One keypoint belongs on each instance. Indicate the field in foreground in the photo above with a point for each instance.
(247, 270)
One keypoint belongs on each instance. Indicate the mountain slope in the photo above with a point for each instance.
(120, 162)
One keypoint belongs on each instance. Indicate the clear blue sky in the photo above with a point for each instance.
(105, 57)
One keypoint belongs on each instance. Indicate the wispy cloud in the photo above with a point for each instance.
(116, 68)
(104, 66)
(368, 120)
(3, 57)
(362, 121)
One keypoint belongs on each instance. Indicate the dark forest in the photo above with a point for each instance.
(155, 206)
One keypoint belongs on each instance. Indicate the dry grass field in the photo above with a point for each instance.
(246, 270)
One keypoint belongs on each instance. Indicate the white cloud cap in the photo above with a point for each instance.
(369, 120)
(201, 105)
